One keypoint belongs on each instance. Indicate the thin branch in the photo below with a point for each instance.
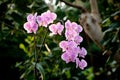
(94, 6)
(94, 9)
(75, 6)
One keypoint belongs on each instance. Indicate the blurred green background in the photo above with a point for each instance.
(16, 46)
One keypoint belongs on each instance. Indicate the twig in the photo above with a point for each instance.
(75, 6)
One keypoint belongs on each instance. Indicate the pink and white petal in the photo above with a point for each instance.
(82, 64)
(79, 28)
(30, 17)
(53, 16)
(67, 24)
(65, 57)
(35, 16)
(53, 28)
(27, 27)
(63, 45)
(78, 39)
(74, 25)
(39, 20)
(83, 52)
(35, 27)
(77, 62)
(60, 28)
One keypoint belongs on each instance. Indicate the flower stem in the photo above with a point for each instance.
(36, 56)
(42, 43)
(35, 59)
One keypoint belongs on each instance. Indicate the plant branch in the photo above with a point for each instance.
(94, 6)
(95, 10)
(75, 6)
(35, 58)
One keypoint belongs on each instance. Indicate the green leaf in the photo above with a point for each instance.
(41, 70)
(22, 46)
(68, 74)
(88, 73)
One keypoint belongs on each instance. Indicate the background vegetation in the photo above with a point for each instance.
(16, 46)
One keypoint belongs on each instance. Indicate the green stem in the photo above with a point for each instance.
(35, 58)
(43, 40)
(35, 49)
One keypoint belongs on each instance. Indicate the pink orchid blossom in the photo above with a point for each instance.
(46, 18)
(81, 64)
(83, 52)
(71, 47)
(67, 45)
(70, 35)
(31, 26)
(68, 57)
(78, 39)
(56, 28)
(32, 17)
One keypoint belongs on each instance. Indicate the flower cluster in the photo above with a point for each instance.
(33, 21)
(72, 52)
(70, 47)
(46, 18)
(31, 25)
